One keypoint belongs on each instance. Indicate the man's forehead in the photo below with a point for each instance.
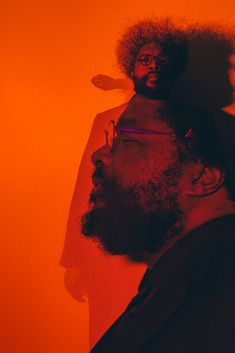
(150, 48)
(143, 113)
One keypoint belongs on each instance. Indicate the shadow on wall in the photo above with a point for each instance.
(205, 82)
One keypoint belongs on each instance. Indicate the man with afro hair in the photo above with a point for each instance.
(153, 53)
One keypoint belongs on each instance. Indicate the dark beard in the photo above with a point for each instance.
(131, 222)
(157, 92)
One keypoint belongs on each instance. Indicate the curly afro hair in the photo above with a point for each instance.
(163, 32)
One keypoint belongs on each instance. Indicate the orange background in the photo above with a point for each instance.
(49, 51)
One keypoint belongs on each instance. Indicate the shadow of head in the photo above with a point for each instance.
(205, 82)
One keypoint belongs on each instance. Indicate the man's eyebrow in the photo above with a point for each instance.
(145, 52)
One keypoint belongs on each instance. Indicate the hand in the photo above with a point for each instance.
(104, 82)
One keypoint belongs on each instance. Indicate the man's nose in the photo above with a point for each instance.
(102, 156)
(154, 65)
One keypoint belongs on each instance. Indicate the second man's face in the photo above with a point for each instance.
(135, 201)
(152, 72)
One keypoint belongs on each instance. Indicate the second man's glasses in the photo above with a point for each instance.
(114, 131)
(147, 59)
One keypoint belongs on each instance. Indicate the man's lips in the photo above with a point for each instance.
(97, 185)
(96, 189)
(152, 77)
(97, 195)
(96, 181)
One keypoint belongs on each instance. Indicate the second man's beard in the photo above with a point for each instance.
(124, 225)
(159, 91)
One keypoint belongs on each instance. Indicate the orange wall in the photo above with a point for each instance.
(50, 50)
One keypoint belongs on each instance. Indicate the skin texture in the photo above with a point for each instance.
(151, 184)
(153, 68)
(139, 184)
(136, 217)
(89, 272)
(101, 300)
(153, 80)
(86, 265)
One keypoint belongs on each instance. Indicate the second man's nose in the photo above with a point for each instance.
(102, 155)
(154, 65)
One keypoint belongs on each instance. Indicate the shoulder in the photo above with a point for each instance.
(112, 113)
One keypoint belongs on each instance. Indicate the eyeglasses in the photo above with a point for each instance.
(147, 59)
(113, 133)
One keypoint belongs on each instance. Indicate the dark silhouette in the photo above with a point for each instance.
(162, 192)
(204, 84)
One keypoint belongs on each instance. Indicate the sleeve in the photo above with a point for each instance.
(74, 245)
(77, 250)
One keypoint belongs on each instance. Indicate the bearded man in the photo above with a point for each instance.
(153, 54)
(162, 194)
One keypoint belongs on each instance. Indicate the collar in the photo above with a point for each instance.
(209, 243)
(188, 261)
(164, 288)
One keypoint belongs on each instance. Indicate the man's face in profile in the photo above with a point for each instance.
(134, 205)
(152, 73)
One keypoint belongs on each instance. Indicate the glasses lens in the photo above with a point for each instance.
(145, 59)
(110, 133)
(162, 59)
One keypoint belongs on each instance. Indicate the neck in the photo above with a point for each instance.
(152, 94)
(151, 259)
(205, 212)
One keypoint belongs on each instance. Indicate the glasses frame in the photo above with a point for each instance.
(155, 58)
(116, 130)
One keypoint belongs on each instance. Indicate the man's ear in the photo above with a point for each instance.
(207, 180)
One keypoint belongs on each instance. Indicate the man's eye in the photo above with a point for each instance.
(162, 59)
(131, 141)
(144, 59)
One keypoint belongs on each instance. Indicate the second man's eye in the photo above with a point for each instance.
(144, 59)
(131, 141)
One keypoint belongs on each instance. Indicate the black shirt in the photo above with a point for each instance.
(186, 303)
